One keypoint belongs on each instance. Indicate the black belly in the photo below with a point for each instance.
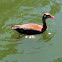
(28, 31)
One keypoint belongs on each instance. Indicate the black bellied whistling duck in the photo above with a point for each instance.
(31, 29)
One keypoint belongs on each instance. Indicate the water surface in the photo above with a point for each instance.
(46, 47)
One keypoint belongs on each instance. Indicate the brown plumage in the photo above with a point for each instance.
(30, 26)
(31, 29)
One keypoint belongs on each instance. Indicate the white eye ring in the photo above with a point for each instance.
(44, 15)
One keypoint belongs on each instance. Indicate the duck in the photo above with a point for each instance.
(31, 28)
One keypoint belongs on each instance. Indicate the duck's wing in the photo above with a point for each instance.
(30, 27)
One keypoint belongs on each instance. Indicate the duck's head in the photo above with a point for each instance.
(47, 15)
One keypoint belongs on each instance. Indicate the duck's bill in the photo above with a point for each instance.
(52, 16)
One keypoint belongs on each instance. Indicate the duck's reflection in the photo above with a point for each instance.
(46, 36)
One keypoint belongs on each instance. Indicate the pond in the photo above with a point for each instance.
(45, 47)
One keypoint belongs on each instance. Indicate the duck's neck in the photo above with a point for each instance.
(44, 24)
(44, 21)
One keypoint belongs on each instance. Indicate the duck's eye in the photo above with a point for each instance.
(44, 15)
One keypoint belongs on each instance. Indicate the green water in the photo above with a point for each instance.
(44, 47)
